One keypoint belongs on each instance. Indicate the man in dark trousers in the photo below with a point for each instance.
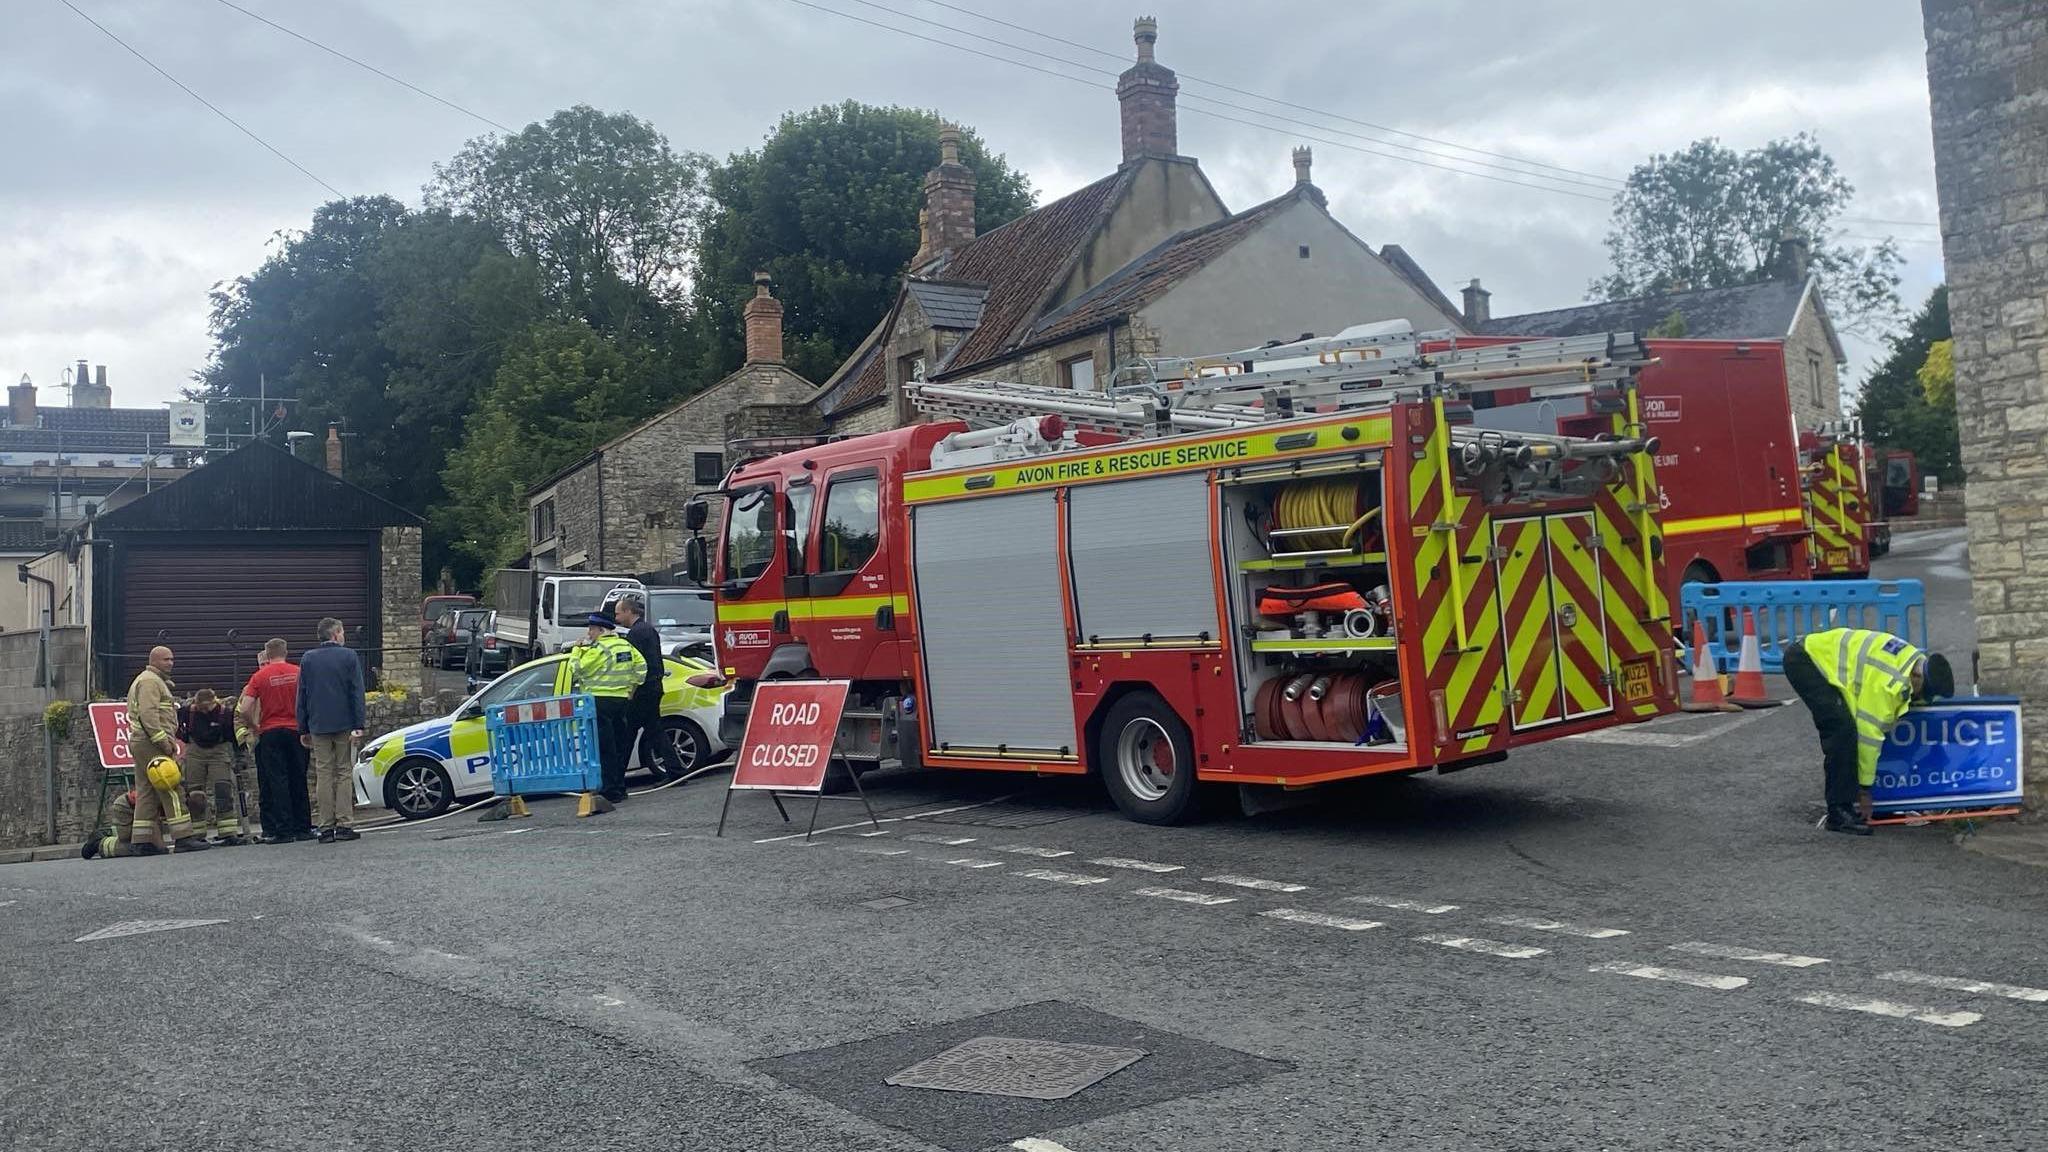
(1857, 683)
(608, 668)
(269, 708)
(643, 711)
(330, 717)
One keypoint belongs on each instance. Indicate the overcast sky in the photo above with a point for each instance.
(123, 200)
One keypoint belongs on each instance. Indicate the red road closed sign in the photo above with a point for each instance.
(790, 731)
(110, 732)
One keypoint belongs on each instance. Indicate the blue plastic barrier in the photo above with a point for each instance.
(540, 746)
(1787, 610)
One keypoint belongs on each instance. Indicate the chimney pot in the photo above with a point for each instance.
(1478, 305)
(21, 403)
(1795, 255)
(949, 144)
(334, 450)
(946, 222)
(1303, 157)
(1145, 31)
(1145, 96)
(763, 320)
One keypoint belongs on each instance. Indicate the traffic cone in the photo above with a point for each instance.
(1749, 690)
(1706, 679)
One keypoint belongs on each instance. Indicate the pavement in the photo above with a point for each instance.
(1602, 943)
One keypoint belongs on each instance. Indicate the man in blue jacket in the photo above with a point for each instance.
(330, 722)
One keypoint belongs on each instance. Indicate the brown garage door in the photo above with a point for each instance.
(195, 596)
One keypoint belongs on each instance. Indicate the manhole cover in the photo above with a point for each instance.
(1007, 1066)
(886, 903)
(138, 927)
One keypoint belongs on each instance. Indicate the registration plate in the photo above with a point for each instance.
(1635, 681)
(1836, 558)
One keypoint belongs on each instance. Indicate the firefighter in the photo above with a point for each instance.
(609, 668)
(120, 831)
(152, 728)
(1857, 683)
(213, 782)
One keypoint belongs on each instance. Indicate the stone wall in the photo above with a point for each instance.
(1808, 343)
(1987, 79)
(22, 771)
(401, 585)
(21, 686)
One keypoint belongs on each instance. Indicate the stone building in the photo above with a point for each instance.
(1146, 261)
(1987, 78)
(1785, 308)
(619, 509)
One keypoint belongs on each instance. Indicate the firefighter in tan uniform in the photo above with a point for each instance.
(120, 833)
(213, 783)
(152, 723)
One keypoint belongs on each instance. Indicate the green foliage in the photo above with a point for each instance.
(1672, 327)
(1710, 217)
(828, 206)
(1908, 401)
(57, 718)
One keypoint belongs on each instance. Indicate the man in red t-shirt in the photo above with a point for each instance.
(269, 707)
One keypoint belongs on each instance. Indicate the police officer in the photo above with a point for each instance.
(643, 713)
(1857, 683)
(609, 668)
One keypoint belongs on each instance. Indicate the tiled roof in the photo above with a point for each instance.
(1018, 264)
(1764, 310)
(1152, 275)
(82, 430)
(24, 536)
(157, 420)
(1402, 263)
(948, 305)
(863, 377)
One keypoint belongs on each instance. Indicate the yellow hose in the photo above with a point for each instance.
(1315, 503)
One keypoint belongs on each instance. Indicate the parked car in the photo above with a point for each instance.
(432, 607)
(446, 644)
(684, 617)
(486, 657)
(420, 770)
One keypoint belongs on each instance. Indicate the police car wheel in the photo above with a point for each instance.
(1147, 761)
(417, 788)
(687, 739)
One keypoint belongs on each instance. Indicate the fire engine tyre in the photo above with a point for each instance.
(418, 788)
(1147, 760)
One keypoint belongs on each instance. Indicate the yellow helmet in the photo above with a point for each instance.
(163, 774)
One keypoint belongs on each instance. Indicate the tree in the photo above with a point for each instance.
(828, 206)
(598, 201)
(1710, 217)
(1909, 402)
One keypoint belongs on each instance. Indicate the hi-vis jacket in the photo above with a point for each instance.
(1872, 670)
(152, 710)
(609, 667)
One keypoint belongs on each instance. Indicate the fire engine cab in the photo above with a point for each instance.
(1278, 566)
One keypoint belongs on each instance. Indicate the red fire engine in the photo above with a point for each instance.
(1838, 505)
(1281, 566)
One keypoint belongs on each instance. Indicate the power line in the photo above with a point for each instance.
(1189, 76)
(367, 67)
(210, 106)
(1894, 223)
(1197, 111)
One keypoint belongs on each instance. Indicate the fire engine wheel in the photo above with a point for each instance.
(418, 788)
(1148, 760)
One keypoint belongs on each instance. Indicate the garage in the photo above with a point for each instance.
(254, 544)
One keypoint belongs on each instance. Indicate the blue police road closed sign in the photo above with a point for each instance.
(1962, 753)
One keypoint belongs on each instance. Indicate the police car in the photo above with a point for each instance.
(420, 770)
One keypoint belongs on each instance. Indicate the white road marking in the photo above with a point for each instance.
(141, 927)
(883, 820)
(1028, 850)
(1254, 882)
(1320, 919)
(1958, 984)
(1485, 947)
(1675, 975)
(1062, 877)
(948, 841)
(877, 851)
(515, 831)
(877, 832)
(1652, 735)
(1185, 897)
(1891, 1008)
(1731, 952)
(1034, 1144)
(608, 1001)
(1404, 905)
(1135, 865)
(971, 862)
(1542, 925)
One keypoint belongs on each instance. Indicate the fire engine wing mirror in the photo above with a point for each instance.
(695, 513)
(696, 559)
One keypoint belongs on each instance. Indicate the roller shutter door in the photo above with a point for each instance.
(1142, 562)
(196, 594)
(989, 619)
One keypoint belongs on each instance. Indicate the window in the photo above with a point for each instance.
(799, 535)
(853, 525)
(1813, 380)
(532, 682)
(547, 602)
(750, 534)
(582, 597)
(679, 610)
(910, 367)
(544, 520)
(710, 469)
(1079, 373)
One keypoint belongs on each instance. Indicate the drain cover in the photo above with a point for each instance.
(1007, 1066)
(138, 927)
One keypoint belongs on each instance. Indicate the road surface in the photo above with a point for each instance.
(1636, 941)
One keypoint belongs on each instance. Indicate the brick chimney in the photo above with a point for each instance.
(1145, 94)
(1795, 256)
(1304, 158)
(21, 404)
(947, 222)
(93, 393)
(334, 450)
(764, 324)
(1478, 306)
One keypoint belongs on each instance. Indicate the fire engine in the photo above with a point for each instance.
(1279, 566)
(1838, 506)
